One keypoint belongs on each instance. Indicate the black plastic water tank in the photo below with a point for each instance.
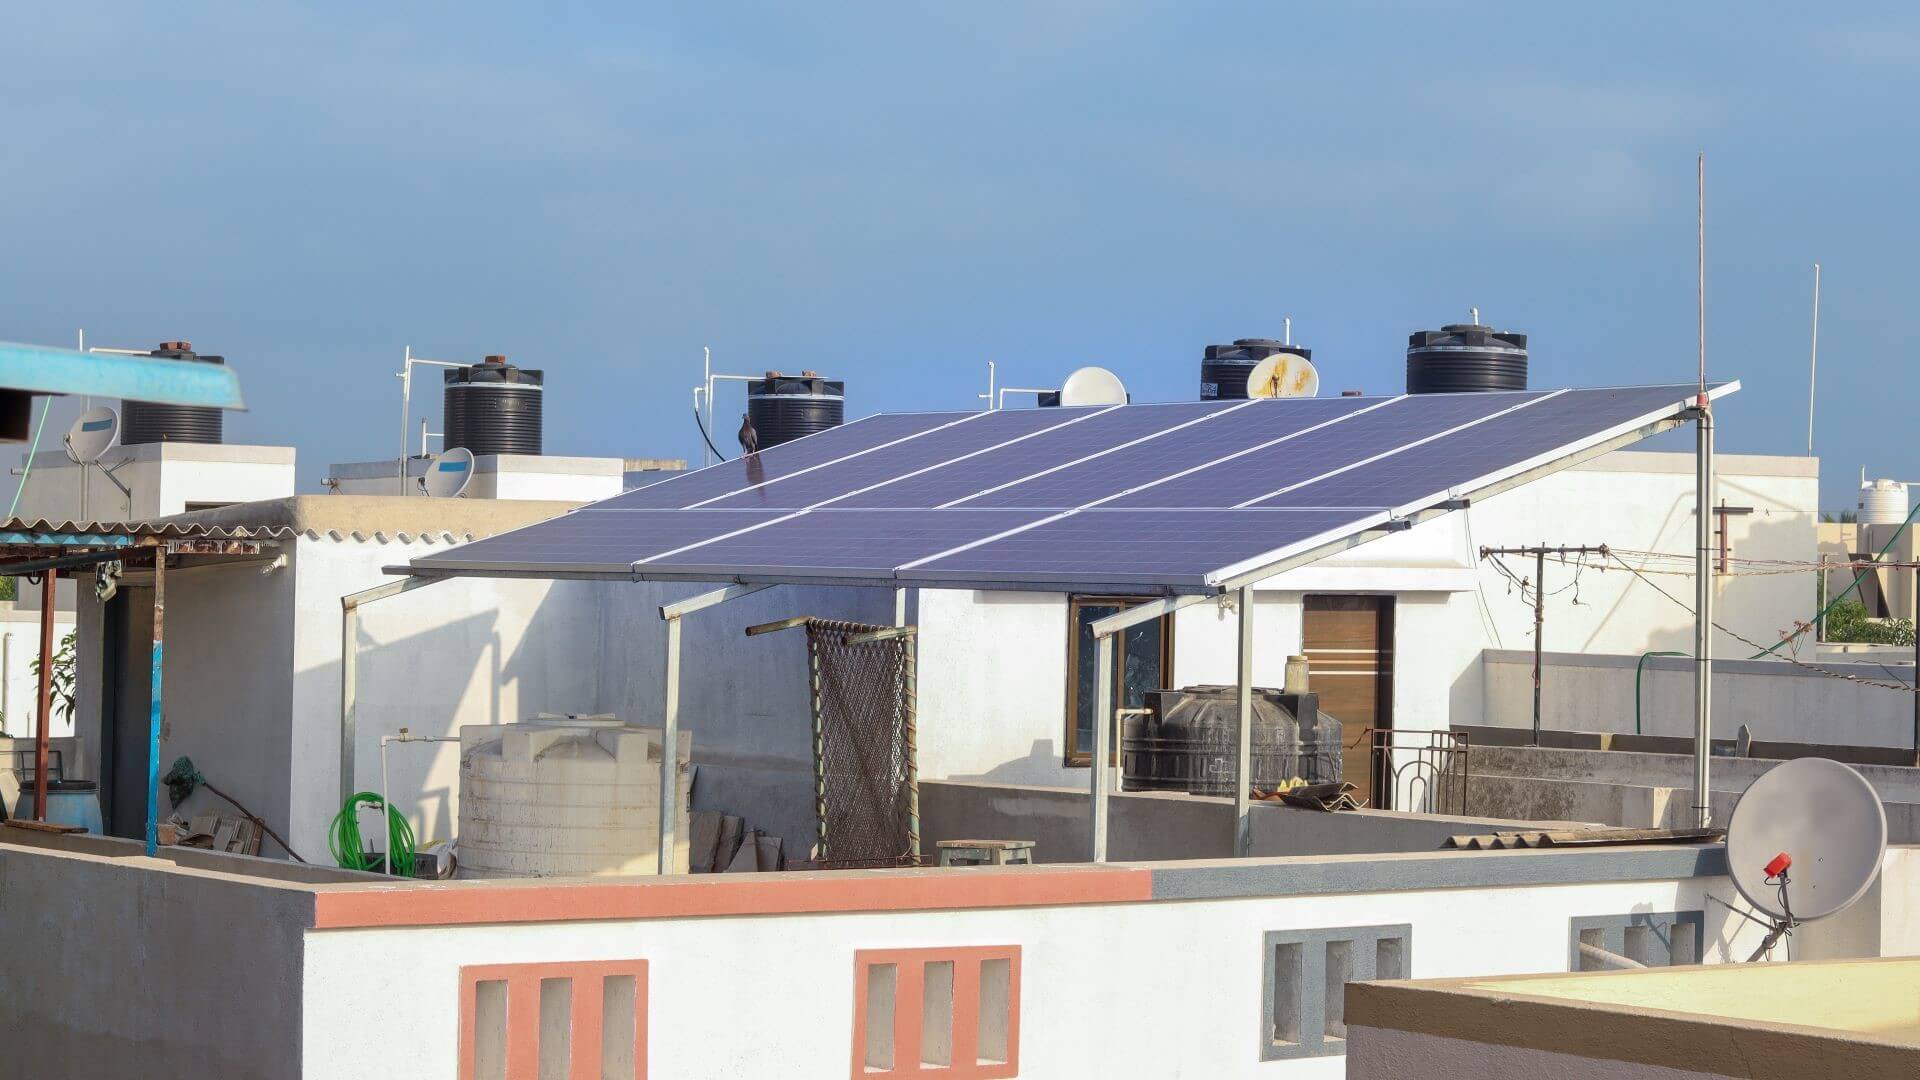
(147, 422)
(493, 407)
(1224, 368)
(785, 407)
(1463, 358)
(1190, 741)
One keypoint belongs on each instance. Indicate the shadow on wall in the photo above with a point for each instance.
(1041, 765)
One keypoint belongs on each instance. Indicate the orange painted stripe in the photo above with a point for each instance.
(464, 903)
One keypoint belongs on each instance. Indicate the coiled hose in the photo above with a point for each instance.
(343, 838)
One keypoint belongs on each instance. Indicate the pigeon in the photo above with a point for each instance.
(749, 438)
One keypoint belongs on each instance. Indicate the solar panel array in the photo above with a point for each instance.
(1173, 497)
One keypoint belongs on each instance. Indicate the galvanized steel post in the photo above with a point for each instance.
(1102, 742)
(1243, 791)
(1703, 619)
(670, 748)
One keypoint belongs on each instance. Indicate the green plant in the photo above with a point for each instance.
(1848, 622)
(63, 677)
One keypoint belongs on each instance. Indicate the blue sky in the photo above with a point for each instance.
(895, 193)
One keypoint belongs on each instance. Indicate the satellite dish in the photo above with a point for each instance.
(92, 435)
(1284, 374)
(448, 473)
(1826, 821)
(1093, 386)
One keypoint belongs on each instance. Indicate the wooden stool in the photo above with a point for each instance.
(985, 852)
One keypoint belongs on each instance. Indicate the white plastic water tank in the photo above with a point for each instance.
(1883, 502)
(564, 796)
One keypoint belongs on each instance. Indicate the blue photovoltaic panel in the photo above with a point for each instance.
(1117, 546)
(1353, 439)
(844, 542)
(1047, 451)
(944, 444)
(1345, 459)
(778, 461)
(1243, 429)
(1433, 468)
(593, 540)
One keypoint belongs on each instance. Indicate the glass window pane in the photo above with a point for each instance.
(1142, 664)
(1085, 660)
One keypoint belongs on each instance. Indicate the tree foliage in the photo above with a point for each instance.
(1848, 622)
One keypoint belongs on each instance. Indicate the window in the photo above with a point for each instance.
(1655, 939)
(955, 1010)
(1142, 661)
(1307, 972)
(534, 1020)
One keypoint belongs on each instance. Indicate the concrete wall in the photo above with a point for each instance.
(1149, 826)
(1615, 787)
(755, 995)
(164, 478)
(112, 969)
(1778, 701)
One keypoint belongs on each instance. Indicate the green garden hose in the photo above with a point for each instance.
(348, 850)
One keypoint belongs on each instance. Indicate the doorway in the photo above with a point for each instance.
(127, 684)
(1348, 641)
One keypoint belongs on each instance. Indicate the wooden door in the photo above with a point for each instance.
(1348, 641)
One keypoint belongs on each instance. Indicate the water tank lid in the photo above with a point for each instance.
(183, 350)
(495, 370)
(778, 385)
(1468, 336)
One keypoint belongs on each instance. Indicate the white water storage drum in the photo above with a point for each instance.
(565, 796)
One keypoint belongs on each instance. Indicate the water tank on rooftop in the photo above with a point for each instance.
(147, 422)
(1883, 502)
(785, 407)
(1465, 357)
(493, 407)
(1224, 368)
(564, 796)
(1189, 741)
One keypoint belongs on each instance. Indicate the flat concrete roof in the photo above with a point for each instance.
(1858, 1018)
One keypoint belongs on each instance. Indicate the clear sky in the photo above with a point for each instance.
(894, 193)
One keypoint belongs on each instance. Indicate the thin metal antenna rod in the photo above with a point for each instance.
(1287, 339)
(1813, 362)
(1701, 188)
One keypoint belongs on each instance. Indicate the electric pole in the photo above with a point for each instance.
(1539, 556)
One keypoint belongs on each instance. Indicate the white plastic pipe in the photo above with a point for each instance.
(386, 854)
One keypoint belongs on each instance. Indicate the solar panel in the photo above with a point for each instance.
(1178, 497)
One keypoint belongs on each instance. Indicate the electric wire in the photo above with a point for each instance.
(46, 404)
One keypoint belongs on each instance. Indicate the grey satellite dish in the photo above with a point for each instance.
(1805, 841)
(448, 473)
(1093, 386)
(1283, 375)
(92, 435)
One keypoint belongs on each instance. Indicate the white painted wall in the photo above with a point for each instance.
(756, 996)
(164, 478)
(495, 476)
(19, 687)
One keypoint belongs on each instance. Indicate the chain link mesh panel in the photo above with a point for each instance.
(866, 776)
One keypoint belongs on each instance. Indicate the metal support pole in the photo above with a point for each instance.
(1539, 630)
(406, 412)
(899, 607)
(350, 605)
(670, 749)
(1243, 791)
(154, 710)
(1703, 618)
(1102, 742)
(44, 724)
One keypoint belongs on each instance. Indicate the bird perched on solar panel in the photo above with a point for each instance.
(749, 438)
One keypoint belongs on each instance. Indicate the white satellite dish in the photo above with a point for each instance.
(1093, 386)
(92, 435)
(1805, 841)
(1284, 374)
(448, 473)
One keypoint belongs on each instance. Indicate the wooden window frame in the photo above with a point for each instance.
(1075, 757)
